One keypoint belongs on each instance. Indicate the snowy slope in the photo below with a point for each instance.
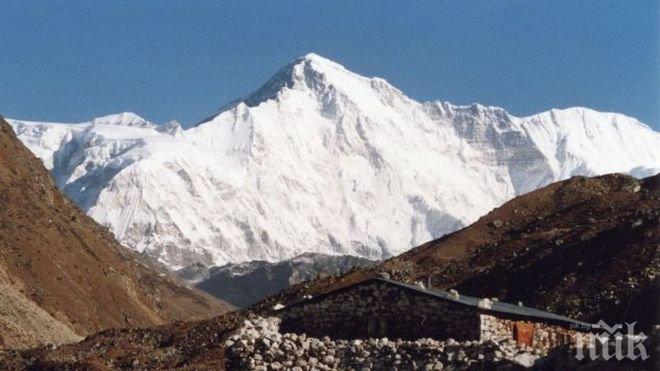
(321, 159)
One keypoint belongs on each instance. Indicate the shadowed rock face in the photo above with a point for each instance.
(67, 273)
(247, 283)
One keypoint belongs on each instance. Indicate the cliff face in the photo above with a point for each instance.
(65, 272)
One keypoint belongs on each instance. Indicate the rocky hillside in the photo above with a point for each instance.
(244, 284)
(586, 243)
(62, 275)
(586, 248)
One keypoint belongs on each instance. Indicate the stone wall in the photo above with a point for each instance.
(259, 345)
(545, 337)
(379, 309)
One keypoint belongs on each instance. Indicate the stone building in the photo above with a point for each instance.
(379, 307)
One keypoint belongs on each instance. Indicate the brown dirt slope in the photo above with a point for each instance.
(197, 345)
(23, 323)
(586, 248)
(72, 268)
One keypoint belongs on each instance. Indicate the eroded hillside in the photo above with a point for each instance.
(56, 259)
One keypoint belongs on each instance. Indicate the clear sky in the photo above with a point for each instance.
(75, 60)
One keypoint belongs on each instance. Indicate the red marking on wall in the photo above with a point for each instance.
(523, 333)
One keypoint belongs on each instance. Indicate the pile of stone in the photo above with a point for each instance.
(259, 345)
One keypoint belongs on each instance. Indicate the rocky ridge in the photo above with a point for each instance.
(63, 275)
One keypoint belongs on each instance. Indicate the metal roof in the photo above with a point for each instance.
(470, 301)
(495, 306)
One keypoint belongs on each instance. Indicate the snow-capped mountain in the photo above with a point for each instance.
(321, 159)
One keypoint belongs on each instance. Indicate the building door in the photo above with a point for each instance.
(376, 326)
(371, 326)
(523, 333)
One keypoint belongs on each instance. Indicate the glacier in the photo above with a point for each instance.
(321, 159)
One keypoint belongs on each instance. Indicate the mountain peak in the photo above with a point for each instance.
(307, 69)
(123, 119)
(318, 75)
(313, 57)
(318, 62)
(172, 127)
(574, 115)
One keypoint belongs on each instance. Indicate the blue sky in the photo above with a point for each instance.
(75, 60)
